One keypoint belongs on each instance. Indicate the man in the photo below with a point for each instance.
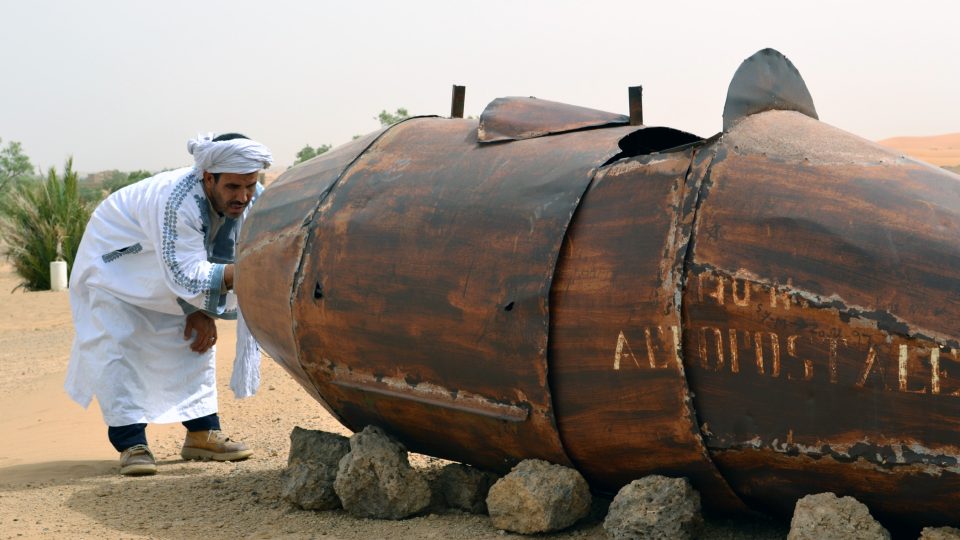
(153, 271)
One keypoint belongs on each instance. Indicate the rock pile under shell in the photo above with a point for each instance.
(312, 468)
(825, 515)
(375, 479)
(537, 496)
(655, 507)
(370, 476)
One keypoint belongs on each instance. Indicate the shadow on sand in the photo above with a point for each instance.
(30, 475)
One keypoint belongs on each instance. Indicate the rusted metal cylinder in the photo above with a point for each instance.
(771, 312)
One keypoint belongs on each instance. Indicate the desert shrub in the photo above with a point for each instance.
(43, 221)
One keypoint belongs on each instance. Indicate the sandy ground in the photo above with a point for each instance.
(59, 475)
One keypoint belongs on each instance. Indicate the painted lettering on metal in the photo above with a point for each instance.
(795, 358)
(775, 331)
(660, 344)
(771, 331)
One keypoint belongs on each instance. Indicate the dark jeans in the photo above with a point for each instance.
(123, 437)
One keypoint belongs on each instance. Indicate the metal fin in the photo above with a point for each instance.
(764, 82)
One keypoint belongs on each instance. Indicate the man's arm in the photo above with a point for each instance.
(176, 227)
(228, 277)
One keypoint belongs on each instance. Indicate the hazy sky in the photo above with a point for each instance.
(124, 84)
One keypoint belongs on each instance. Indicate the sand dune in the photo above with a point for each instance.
(940, 150)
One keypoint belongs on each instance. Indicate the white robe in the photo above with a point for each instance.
(152, 252)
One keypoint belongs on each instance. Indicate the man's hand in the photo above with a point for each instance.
(206, 331)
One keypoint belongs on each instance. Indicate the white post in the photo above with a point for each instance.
(58, 275)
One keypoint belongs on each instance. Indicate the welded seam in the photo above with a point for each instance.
(311, 236)
(699, 192)
(551, 275)
(307, 222)
(431, 395)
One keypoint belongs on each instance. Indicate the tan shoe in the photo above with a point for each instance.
(213, 445)
(137, 460)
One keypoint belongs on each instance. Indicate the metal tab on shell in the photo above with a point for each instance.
(518, 118)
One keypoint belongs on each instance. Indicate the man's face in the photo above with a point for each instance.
(232, 193)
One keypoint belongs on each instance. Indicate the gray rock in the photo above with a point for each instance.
(375, 480)
(940, 533)
(437, 503)
(312, 467)
(824, 515)
(464, 487)
(655, 507)
(537, 496)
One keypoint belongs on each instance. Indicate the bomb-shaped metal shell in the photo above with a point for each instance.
(771, 312)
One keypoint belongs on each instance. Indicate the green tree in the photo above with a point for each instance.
(121, 180)
(14, 164)
(43, 222)
(387, 119)
(98, 185)
(309, 152)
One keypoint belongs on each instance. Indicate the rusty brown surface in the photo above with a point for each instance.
(635, 98)
(457, 98)
(821, 313)
(518, 118)
(435, 275)
(271, 247)
(913, 498)
(616, 372)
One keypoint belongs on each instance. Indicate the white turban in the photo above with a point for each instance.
(239, 156)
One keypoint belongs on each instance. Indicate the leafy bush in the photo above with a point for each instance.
(309, 152)
(41, 222)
